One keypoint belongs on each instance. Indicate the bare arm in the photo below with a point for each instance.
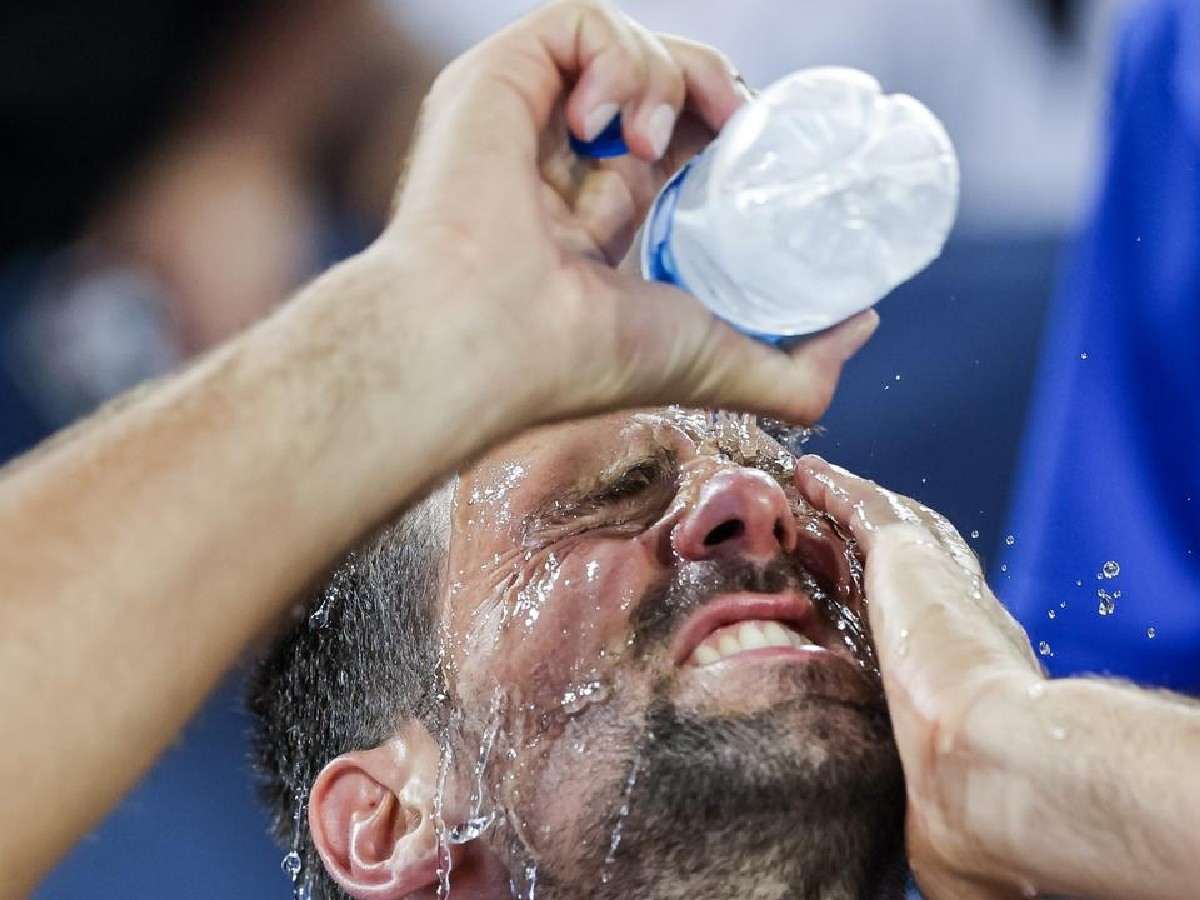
(141, 554)
(1094, 787)
(142, 551)
(1017, 785)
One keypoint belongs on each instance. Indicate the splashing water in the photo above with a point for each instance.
(1150, 633)
(1107, 605)
(1110, 569)
(478, 821)
(291, 865)
(444, 860)
(791, 437)
(1010, 540)
(1044, 649)
(338, 586)
(614, 841)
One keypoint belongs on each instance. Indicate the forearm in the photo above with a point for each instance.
(1089, 789)
(142, 552)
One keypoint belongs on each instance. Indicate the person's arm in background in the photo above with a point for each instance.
(141, 551)
(1017, 785)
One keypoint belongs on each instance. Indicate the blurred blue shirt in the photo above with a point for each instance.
(1111, 459)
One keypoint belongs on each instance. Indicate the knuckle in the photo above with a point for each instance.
(712, 61)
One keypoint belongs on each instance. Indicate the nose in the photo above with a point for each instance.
(740, 513)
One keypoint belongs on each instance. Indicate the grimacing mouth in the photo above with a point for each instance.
(736, 622)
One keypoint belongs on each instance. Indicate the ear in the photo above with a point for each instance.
(371, 815)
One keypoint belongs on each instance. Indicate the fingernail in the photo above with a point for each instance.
(660, 126)
(597, 119)
(747, 92)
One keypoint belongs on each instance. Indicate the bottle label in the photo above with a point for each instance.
(658, 264)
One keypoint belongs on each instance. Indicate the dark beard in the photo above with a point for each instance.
(804, 799)
(734, 807)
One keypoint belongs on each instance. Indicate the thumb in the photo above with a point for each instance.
(703, 361)
(796, 386)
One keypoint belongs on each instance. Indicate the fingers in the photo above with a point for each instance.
(866, 508)
(500, 95)
(648, 78)
(860, 506)
(924, 584)
(714, 90)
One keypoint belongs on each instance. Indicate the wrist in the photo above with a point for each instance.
(401, 370)
(974, 801)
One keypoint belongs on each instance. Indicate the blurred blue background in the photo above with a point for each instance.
(236, 149)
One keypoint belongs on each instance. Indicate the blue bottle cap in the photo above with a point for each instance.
(607, 143)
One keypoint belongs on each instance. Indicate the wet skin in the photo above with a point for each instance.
(589, 559)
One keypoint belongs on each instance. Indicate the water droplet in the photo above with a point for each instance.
(1083, 356)
(1110, 569)
(1107, 605)
(1150, 633)
(1058, 733)
(1078, 582)
(975, 534)
(1044, 649)
(1003, 567)
(471, 829)
(1036, 690)
(579, 697)
(1063, 605)
(897, 376)
(1010, 540)
(291, 865)
(1051, 613)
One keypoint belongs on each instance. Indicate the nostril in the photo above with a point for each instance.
(726, 531)
(780, 533)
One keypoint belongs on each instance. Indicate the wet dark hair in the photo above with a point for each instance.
(357, 661)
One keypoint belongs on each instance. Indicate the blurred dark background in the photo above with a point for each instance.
(172, 170)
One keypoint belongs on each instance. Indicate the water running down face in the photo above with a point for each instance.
(660, 648)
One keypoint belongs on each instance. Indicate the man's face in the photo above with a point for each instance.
(658, 655)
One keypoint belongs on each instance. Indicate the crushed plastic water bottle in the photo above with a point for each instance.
(817, 198)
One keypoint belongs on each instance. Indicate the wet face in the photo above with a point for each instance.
(662, 680)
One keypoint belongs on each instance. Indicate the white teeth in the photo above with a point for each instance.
(728, 644)
(750, 635)
(704, 655)
(776, 633)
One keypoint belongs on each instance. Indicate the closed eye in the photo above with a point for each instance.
(633, 481)
(630, 498)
